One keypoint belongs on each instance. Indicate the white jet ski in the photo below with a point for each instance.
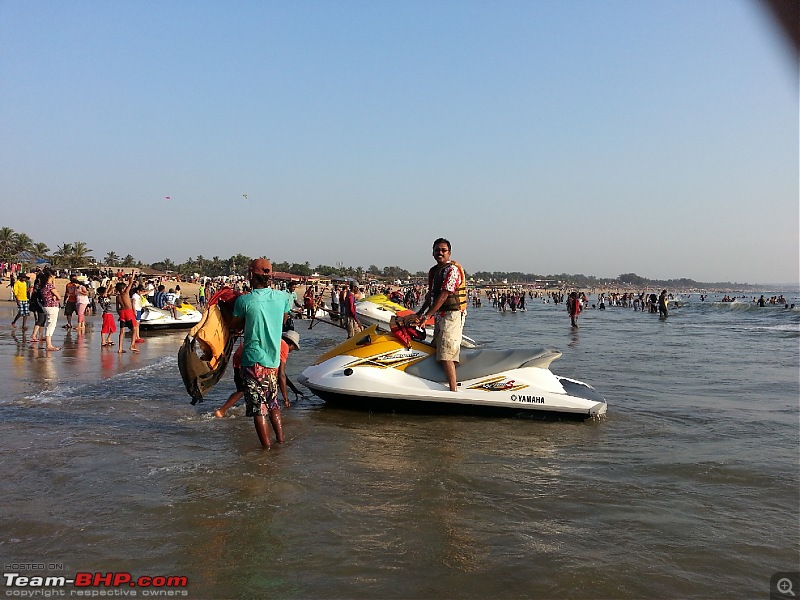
(378, 310)
(186, 316)
(376, 372)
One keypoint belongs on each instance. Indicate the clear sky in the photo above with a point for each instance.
(545, 136)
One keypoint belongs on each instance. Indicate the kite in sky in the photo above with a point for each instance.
(167, 197)
(245, 196)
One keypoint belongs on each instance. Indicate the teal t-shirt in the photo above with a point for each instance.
(262, 311)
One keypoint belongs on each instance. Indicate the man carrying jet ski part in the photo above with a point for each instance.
(261, 315)
(447, 300)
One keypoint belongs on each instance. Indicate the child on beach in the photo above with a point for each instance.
(236, 361)
(290, 340)
(127, 318)
(109, 326)
(171, 302)
(22, 293)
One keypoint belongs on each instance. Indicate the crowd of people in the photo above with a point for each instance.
(40, 300)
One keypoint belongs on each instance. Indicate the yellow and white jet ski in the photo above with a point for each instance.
(186, 316)
(377, 372)
(379, 309)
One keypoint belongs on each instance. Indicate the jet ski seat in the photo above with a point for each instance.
(483, 363)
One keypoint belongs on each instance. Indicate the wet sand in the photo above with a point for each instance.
(31, 369)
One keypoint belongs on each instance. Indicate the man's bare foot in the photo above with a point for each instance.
(219, 414)
(120, 351)
(134, 349)
(52, 348)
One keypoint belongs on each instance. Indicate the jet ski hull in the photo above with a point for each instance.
(156, 318)
(383, 375)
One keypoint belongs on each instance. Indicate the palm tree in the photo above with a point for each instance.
(111, 259)
(129, 261)
(40, 250)
(164, 265)
(80, 254)
(22, 243)
(7, 236)
(218, 267)
(62, 254)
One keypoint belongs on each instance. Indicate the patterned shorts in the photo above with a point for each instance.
(260, 389)
(24, 307)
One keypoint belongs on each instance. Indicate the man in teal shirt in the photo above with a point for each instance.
(261, 314)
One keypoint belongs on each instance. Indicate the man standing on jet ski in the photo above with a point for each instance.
(447, 301)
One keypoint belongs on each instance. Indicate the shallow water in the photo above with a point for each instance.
(689, 487)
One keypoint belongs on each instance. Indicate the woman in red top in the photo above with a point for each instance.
(308, 302)
(574, 308)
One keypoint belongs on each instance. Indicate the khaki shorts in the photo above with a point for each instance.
(447, 335)
(352, 327)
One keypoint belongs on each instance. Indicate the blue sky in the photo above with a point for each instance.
(595, 137)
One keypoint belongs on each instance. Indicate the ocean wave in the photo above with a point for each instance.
(133, 381)
(750, 306)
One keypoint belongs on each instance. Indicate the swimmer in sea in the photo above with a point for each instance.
(662, 304)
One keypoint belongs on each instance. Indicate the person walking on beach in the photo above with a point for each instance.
(291, 289)
(50, 302)
(21, 293)
(309, 302)
(201, 296)
(71, 302)
(109, 327)
(127, 318)
(447, 301)
(81, 304)
(351, 322)
(136, 301)
(261, 315)
(37, 308)
(573, 308)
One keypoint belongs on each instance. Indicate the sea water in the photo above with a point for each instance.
(689, 486)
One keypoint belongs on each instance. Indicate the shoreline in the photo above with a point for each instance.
(189, 290)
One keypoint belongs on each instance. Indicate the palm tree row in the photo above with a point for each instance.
(13, 244)
(19, 247)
